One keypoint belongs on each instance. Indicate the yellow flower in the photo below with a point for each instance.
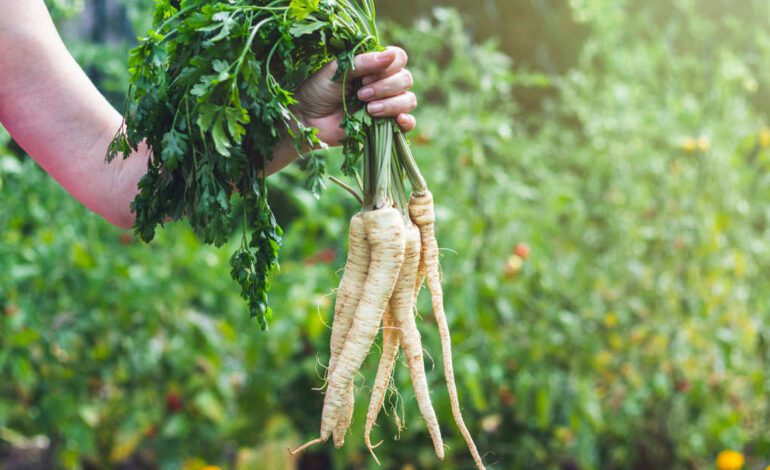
(211, 467)
(513, 266)
(730, 460)
(689, 145)
(764, 141)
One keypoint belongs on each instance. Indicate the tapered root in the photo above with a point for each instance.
(390, 345)
(402, 305)
(348, 296)
(305, 446)
(372, 447)
(386, 235)
(422, 212)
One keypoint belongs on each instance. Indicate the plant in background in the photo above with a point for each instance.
(631, 337)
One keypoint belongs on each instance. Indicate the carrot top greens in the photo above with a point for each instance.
(212, 93)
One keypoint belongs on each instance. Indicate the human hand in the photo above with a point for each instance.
(386, 85)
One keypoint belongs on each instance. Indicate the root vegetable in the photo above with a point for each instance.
(390, 345)
(386, 234)
(402, 305)
(348, 294)
(422, 212)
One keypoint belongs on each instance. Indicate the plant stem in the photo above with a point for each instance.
(378, 152)
(347, 188)
(398, 190)
(405, 157)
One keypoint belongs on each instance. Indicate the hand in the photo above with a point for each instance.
(386, 85)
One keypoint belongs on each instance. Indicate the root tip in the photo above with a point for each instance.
(374, 455)
(371, 447)
(305, 446)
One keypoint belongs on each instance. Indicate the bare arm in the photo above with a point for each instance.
(57, 115)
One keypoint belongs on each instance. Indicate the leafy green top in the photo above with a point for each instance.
(212, 94)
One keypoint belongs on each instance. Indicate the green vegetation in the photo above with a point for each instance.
(633, 335)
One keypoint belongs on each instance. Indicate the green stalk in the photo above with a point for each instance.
(383, 129)
(367, 183)
(398, 189)
(377, 157)
(408, 163)
(347, 188)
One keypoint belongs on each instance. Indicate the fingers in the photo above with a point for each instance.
(407, 122)
(381, 64)
(396, 84)
(393, 106)
(386, 85)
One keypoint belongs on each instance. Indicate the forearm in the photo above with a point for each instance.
(57, 115)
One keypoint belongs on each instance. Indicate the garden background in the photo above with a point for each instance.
(625, 142)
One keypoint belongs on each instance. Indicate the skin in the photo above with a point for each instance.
(422, 212)
(386, 234)
(381, 381)
(402, 305)
(52, 109)
(348, 294)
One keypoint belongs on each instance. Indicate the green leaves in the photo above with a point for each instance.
(300, 9)
(174, 148)
(301, 29)
(314, 165)
(212, 93)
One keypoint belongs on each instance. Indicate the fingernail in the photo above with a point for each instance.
(386, 56)
(375, 108)
(366, 93)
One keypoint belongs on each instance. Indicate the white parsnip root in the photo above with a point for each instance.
(393, 250)
(402, 305)
(348, 295)
(422, 212)
(390, 344)
(386, 235)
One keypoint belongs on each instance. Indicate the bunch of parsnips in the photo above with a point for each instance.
(212, 95)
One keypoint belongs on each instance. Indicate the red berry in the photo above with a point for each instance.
(683, 386)
(173, 402)
(327, 256)
(523, 250)
(126, 238)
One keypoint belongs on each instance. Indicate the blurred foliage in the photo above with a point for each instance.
(633, 336)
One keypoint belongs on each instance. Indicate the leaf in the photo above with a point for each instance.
(300, 9)
(207, 115)
(225, 27)
(236, 118)
(174, 148)
(221, 140)
(315, 166)
(210, 406)
(126, 443)
(302, 29)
